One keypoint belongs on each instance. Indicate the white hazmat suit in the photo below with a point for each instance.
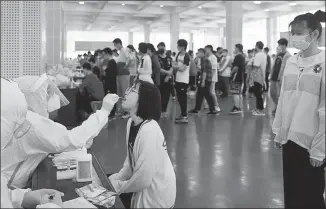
(37, 136)
(13, 119)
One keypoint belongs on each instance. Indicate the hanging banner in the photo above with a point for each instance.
(92, 45)
(287, 36)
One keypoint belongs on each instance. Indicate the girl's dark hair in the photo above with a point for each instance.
(107, 51)
(313, 20)
(149, 102)
(97, 72)
(131, 47)
(142, 47)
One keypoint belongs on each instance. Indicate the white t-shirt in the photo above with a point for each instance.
(145, 65)
(260, 60)
(183, 77)
(214, 64)
(123, 55)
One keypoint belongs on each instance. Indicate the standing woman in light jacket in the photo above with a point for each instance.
(147, 172)
(299, 122)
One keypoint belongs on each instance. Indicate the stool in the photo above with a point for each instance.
(97, 105)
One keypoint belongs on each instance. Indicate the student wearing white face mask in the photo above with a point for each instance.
(147, 172)
(27, 139)
(299, 122)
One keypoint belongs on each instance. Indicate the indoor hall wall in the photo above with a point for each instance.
(105, 36)
(200, 39)
(23, 38)
(252, 32)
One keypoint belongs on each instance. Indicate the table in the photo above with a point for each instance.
(67, 115)
(45, 176)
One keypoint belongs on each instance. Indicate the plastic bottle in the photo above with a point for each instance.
(84, 168)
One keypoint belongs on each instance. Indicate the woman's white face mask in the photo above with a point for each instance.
(54, 103)
(302, 42)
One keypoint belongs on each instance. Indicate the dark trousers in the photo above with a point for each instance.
(266, 88)
(84, 103)
(181, 90)
(303, 184)
(224, 85)
(192, 83)
(112, 90)
(245, 83)
(165, 89)
(204, 92)
(258, 92)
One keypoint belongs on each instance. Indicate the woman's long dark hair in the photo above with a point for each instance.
(149, 102)
(313, 20)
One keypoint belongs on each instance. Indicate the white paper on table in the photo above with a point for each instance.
(67, 156)
(78, 203)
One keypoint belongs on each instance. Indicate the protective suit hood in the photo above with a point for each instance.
(38, 91)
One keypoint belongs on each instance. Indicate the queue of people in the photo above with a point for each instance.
(147, 178)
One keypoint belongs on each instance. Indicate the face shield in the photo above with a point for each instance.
(42, 94)
(13, 112)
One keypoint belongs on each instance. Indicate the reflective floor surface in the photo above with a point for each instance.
(220, 161)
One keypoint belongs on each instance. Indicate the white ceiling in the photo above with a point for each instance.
(194, 15)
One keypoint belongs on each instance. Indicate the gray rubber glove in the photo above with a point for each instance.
(109, 102)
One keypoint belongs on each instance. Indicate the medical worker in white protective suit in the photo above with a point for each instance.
(37, 136)
(17, 198)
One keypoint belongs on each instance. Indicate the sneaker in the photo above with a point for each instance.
(259, 113)
(125, 115)
(181, 119)
(218, 109)
(235, 110)
(212, 112)
(173, 98)
(193, 111)
(164, 115)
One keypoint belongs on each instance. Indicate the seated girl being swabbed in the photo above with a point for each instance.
(147, 174)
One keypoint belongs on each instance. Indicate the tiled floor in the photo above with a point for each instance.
(220, 161)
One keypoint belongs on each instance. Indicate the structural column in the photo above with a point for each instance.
(147, 32)
(234, 21)
(191, 41)
(174, 31)
(271, 33)
(64, 42)
(222, 36)
(54, 27)
(131, 38)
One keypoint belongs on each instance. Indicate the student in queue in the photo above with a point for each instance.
(156, 67)
(166, 77)
(299, 122)
(27, 137)
(181, 65)
(145, 65)
(91, 89)
(277, 71)
(147, 172)
(110, 78)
